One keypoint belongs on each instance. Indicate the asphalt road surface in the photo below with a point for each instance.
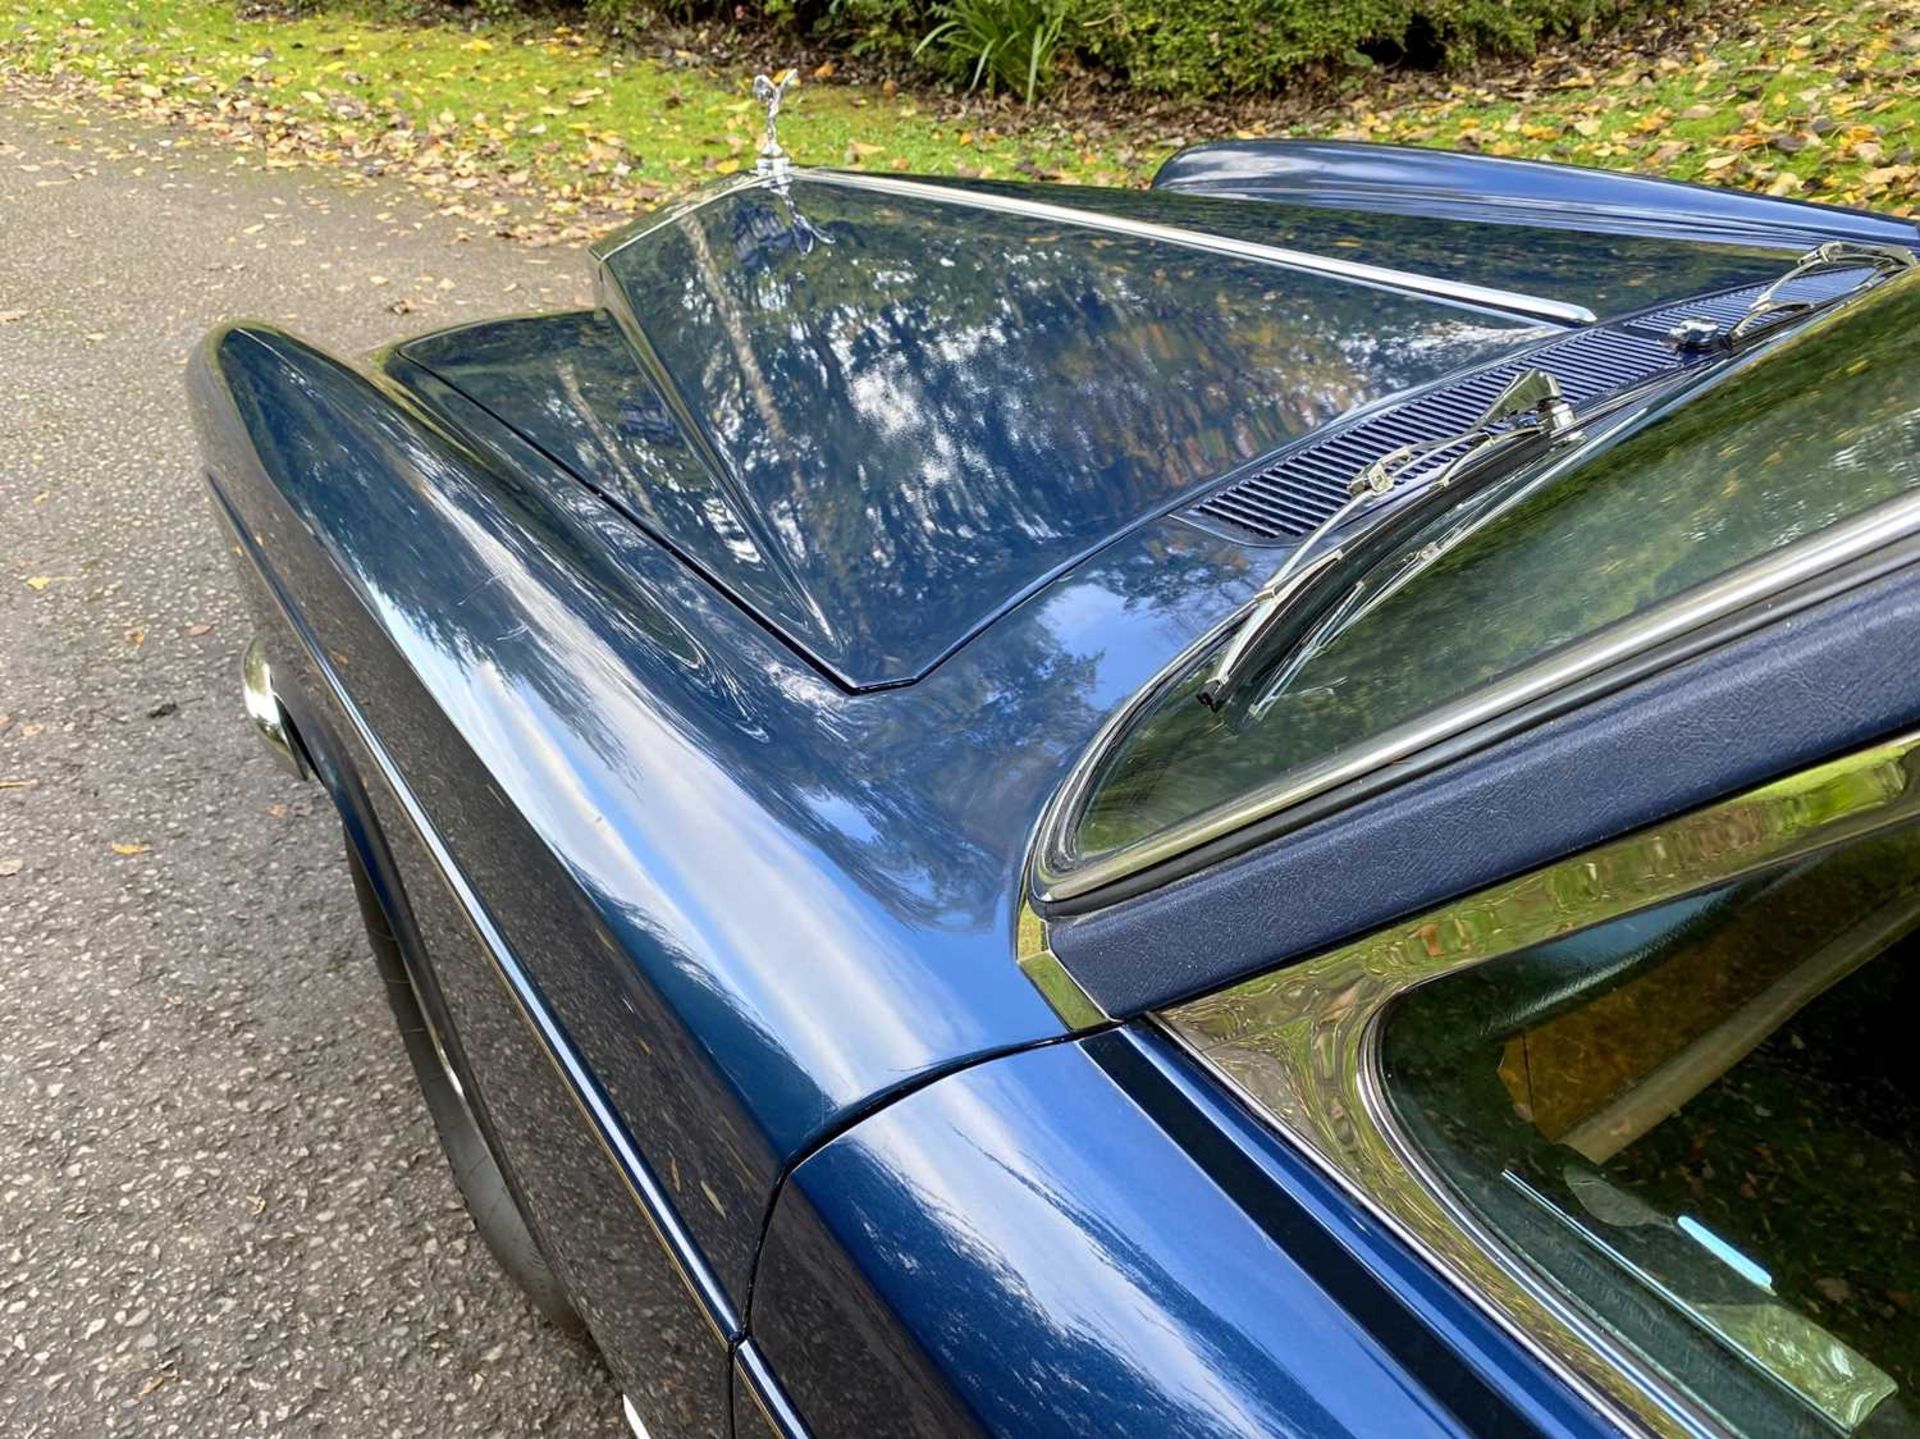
(222, 1208)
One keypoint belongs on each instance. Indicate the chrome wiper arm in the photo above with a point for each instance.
(1531, 408)
(1529, 412)
(1820, 260)
(1269, 606)
(1878, 260)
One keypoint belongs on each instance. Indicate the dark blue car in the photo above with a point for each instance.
(1288, 805)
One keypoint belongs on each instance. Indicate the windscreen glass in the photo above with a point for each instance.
(1822, 426)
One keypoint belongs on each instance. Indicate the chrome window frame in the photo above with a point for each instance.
(1301, 1044)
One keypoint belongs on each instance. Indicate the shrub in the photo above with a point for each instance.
(1207, 47)
(874, 27)
(635, 19)
(998, 43)
(1190, 48)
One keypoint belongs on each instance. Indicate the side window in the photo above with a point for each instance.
(1657, 1106)
(1702, 1124)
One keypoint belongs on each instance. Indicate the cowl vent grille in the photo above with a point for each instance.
(1727, 308)
(1307, 483)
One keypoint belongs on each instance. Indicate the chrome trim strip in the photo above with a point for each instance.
(1480, 297)
(1302, 1044)
(263, 708)
(1057, 878)
(709, 1296)
(763, 1387)
(1076, 1009)
(671, 214)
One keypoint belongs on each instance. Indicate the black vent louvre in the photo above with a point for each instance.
(1305, 485)
(1308, 483)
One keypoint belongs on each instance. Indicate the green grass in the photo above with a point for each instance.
(549, 113)
(1820, 102)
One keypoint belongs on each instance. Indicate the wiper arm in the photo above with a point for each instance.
(1531, 409)
(1528, 415)
(1878, 260)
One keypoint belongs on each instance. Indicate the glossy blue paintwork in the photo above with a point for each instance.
(1064, 1242)
(793, 898)
(665, 1341)
(891, 575)
(1487, 190)
(701, 903)
(880, 428)
(1613, 271)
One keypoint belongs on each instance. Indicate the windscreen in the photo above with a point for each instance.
(1822, 426)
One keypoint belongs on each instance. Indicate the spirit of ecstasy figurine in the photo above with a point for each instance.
(770, 92)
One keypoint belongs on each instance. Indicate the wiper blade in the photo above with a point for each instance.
(1250, 642)
(1528, 415)
(1878, 261)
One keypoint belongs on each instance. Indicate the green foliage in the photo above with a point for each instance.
(1189, 48)
(623, 17)
(1007, 44)
(875, 27)
(497, 10)
(1793, 97)
(1209, 47)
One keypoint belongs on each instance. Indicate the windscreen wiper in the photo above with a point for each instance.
(1877, 261)
(1528, 416)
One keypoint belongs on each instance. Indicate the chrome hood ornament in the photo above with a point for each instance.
(770, 91)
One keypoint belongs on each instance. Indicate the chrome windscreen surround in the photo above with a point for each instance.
(1301, 1044)
(1070, 1002)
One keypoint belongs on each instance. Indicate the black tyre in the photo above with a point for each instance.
(476, 1169)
